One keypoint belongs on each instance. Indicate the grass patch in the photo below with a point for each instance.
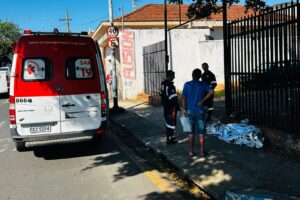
(220, 93)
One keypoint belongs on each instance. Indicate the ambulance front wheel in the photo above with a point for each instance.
(20, 146)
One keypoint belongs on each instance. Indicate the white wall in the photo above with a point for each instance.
(184, 54)
(189, 49)
(211, 52)
(144, 37)
(217, 33)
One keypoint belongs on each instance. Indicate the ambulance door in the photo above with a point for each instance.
(36, 95)
(80, 98)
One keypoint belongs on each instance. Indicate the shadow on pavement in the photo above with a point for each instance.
(105, 153)
(127, 169)
(226, 167)
(161, 196)
(72, 150)
(4, 96)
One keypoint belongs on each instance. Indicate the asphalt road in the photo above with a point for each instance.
(80, 171)
(4, 120)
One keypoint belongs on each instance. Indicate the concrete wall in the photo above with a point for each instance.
(184, 54)
(144, 37)
(211, 52)
(217, 33)
(188, 49)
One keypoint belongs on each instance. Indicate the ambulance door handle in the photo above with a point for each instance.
(59, 88)
(68, 105)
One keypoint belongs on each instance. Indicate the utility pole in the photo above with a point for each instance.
(67, 22)
(166, 36)
(122, 14)
(116, 108)
(133, 4)
(226, 60)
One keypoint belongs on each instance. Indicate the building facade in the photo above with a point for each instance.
(189, 45)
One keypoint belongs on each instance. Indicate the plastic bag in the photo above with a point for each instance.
(186, 124)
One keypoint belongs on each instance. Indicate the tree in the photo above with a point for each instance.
(204, 8)
(9, 34)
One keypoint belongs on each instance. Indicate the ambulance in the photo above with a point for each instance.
(57, 89)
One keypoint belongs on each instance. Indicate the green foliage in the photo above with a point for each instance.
(204, 8)
(220, 93)
(9, 33)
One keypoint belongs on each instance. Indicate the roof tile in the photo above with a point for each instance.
(155, 12)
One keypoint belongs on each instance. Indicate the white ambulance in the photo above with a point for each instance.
(58, 89)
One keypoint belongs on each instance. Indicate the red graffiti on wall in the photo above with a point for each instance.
(128, 57)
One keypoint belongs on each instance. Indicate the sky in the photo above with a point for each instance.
(85, 15)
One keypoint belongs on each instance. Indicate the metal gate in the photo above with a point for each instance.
(263, 71)
(154, 67)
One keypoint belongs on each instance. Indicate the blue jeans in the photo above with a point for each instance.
(197, 119)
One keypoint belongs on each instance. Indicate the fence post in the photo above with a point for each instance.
(226, 61)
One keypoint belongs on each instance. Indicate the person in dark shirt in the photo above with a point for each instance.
(170, 105)
(209, 78)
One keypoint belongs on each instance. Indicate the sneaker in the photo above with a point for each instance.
(172, 141)
(204, 154)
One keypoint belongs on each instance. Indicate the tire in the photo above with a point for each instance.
(20, 146)
(97, 138)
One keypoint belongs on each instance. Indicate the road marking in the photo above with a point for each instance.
(159, 182)
(2, 123)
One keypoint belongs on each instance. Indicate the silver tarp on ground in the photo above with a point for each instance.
(256, 194)
(237, 133)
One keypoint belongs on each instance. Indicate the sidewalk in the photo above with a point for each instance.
(226, 167)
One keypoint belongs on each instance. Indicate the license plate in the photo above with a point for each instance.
(40, 129)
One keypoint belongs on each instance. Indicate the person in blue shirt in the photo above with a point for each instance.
(194, 95)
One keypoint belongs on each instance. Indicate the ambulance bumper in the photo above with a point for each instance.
(84, 135)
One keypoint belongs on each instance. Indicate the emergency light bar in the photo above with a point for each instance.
(55, 32)
(27, 32)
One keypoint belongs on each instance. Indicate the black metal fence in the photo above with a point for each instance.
(263, 73)
(154, 67)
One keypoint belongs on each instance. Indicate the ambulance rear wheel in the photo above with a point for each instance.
(20, 146)
(97, 138)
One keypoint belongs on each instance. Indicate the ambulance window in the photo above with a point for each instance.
(37, 69)
(79, 68)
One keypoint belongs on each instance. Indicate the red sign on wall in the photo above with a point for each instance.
(128, 57)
